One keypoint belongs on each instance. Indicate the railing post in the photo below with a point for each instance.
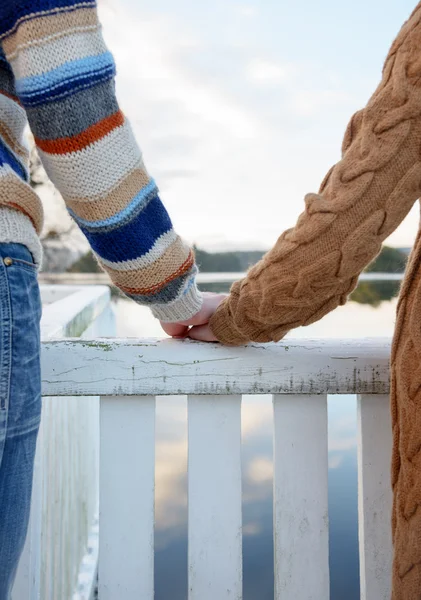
(215, 523)
(127, 493)
(374, 496)
(301, 536)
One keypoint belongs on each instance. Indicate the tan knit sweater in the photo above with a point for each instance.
(314, 267)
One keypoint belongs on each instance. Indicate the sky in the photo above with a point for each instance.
(240, 107)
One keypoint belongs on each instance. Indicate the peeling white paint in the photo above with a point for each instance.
(167, 367)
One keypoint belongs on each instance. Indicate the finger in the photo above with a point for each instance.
(210, 304)
(175, 329)
(202, 333)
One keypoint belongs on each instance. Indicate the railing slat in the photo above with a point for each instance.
(127, 476)
(215, 523)
(374, 496)
(301, 536)
(28, 577)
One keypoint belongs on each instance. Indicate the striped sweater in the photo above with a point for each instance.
(57, 74)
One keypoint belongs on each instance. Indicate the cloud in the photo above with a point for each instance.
(252, 528)
(248, 11)
(260, 470)
(228, 127)
(266, 72)
(256, 416)
(308, 103)
(335, 461)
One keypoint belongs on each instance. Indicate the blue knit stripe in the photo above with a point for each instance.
(13, 12)
(68, 89)
(7, 157)
(139, 202)
(69, 72)
(126, 242)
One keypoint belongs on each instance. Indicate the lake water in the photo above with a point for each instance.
(371, 313)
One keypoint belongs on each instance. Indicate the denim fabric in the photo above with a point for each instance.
(20, 401)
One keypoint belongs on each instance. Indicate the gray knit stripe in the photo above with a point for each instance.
(74, 114)
(167, 294)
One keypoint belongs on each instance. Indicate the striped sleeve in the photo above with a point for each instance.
(21, 216)
(64, 80)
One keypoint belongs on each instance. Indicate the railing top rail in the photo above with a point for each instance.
(111, 367)
(68, 310)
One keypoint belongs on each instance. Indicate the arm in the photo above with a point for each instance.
(64, 79)
(314, 266)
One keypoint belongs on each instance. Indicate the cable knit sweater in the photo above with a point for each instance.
(56, 73)
(313, 268)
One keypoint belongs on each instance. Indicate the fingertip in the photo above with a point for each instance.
(201, 333)
(175, 330)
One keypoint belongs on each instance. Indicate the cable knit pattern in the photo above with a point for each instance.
(56, 71)
(313, 268)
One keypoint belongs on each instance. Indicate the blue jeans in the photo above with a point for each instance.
(20, 401)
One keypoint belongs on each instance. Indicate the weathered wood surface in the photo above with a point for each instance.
(167, 367)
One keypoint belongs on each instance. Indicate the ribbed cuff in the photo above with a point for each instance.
(224, 330)
(181, 309)
(17, 228)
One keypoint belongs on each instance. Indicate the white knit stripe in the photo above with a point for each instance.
(15, 227)
(14, 117)
(186, 305)
(161, 245)
(96, 169)
(37, 60)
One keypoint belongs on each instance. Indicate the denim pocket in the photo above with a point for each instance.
(20, 308)
(11, 261)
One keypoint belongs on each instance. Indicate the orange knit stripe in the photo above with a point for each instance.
(87, 137)
(156, 288)
(14, 98)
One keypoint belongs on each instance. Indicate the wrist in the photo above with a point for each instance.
(181, 309)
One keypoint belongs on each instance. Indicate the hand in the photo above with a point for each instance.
(200, 329)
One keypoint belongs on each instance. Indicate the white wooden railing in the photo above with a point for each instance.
(59, 561)
(74, 458)
(129, 374)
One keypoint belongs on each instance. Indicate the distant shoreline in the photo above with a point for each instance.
(103, 279)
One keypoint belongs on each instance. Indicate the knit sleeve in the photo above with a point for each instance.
(64, 78)
(314, 266)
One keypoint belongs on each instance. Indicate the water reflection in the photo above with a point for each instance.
(171, 499)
